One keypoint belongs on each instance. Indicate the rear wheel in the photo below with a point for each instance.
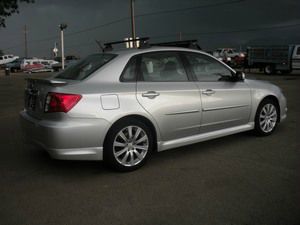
(128, 145)
(266, 118)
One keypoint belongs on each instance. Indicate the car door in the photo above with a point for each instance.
(296, 58)
(225, 103)
(165, 91)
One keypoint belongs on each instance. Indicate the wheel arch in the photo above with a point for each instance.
(141, 118)
(276, 101)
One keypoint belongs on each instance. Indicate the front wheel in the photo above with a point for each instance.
(269, 69)
(128, 145)
(266, 118)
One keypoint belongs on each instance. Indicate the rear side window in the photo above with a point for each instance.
(162, 67)
(85, 67)
(129, 73)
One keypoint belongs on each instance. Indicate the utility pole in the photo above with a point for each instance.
(62, 27)
(25, 42)
(180, 36)
(133, 35)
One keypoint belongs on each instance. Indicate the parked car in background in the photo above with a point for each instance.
(271, 59)
(37, 65)
(120, 106)
(230, 56)
(4, 59)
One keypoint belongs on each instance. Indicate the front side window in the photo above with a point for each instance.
(207, 69)
(298, 51)
(85, 67)
(162, 67)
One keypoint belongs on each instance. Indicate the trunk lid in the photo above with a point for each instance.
(36, 92)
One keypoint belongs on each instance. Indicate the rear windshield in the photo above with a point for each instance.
(85, 67)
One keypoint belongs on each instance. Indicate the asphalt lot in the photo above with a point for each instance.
(236, 180)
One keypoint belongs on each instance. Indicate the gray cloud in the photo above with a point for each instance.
(43, 17)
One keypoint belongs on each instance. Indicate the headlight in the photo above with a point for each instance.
(228, 59)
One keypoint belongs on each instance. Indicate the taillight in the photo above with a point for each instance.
(59, 102)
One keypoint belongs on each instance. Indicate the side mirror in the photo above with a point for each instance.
(239, 76)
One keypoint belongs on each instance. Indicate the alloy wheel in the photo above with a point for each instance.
(268, 118)
(130, 146)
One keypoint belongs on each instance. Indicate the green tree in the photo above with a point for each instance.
(9, 7)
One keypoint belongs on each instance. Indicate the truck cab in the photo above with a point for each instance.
(296, 58)
(4, 59)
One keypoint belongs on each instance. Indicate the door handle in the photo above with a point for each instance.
(150, 94)
(208, 92)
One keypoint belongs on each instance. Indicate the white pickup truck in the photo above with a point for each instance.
(4, 59)
(271, 59)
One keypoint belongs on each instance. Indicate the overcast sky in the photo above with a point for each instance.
(215, 23)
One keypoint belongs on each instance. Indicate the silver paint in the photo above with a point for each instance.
(181, 113)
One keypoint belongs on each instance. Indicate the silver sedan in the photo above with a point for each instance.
(120, 106)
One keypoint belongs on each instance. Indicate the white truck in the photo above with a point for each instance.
(4, 59)
(272, 59)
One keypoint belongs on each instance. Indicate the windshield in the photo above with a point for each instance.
(85, 67)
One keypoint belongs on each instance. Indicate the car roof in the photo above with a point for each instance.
(136, 51)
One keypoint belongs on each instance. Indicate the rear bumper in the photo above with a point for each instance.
(71, 139)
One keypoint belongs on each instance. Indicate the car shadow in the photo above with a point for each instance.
(46, 164)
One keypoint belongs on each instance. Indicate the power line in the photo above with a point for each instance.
(230, 31)
(205, 33)
(153, 14)
(137, 16)
(213, 32)
(190, 8)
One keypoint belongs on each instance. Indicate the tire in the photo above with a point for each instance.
(268, 69)
(266, 118)
(127, 152)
